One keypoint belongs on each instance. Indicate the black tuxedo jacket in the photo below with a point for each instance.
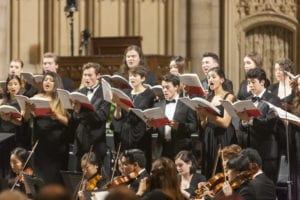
(181, 138)
(136, 183)
(91, 125)
(264, 187)
(261, 135)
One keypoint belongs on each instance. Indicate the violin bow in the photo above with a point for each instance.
(83, 174)
(216, 160)
(224, 167)
(115, 164)
(23, 168)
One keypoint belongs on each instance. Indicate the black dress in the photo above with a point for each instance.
(214, 135)
(196, 178)
(51, 153)
(134, 133)
(274, 90)
(22, 132)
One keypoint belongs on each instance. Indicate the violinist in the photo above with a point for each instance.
(263, 185)
(18, 159)
(238, 184)
(211, 186)
(185, 163)
(93, 179)
(133, 162)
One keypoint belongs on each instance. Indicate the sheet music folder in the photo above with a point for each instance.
(71, 180)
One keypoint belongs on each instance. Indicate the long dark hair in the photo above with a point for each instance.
(22, 155)
(225, 84)
(188, 156)
(164, 177)
(57, 83)
(7, 97)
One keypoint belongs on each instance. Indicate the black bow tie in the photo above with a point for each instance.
(170, 101)
(90, 90)
(254, 99)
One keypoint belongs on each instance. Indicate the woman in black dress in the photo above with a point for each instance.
(188, 177)
(216, 130)
(10, 122)
(282, 88)
(50, 130)
(134, 134)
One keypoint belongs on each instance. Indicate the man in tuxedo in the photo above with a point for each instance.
(90, 125)
(50, 64)
(175, 136)
(263, 185)
(211, 60)
(133, 163)
(261, 134)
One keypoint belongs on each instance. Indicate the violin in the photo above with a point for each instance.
(218, 181)
(91, 184)
(119, 180)
(210, 184)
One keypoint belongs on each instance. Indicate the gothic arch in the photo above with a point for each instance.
(272, 34)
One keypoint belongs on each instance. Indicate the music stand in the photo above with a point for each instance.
(71, 180)
(6, 146)
(34, 183)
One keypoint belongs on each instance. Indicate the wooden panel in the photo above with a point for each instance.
(113, 45)
(72, 66)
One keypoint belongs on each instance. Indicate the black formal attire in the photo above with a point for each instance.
(67, 83)
(116, 125)
(196, 178)
(134, 133)
(274, 90)
(180, 138)
(227, 83)
(243, 94)
(22, 133)
(134, 185)
(246, 191)
(51, 153)
(264, 187)
(90, 125)
(262, 134)
(213, 136)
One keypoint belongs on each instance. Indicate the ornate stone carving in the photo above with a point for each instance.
(252, 7)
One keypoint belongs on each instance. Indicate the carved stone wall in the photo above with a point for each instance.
(269, 27)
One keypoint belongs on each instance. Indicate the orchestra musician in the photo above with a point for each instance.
(263, 186)
(163, 182)
(185, 163)
(93, 180)
(18, 158)
(134, 161)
